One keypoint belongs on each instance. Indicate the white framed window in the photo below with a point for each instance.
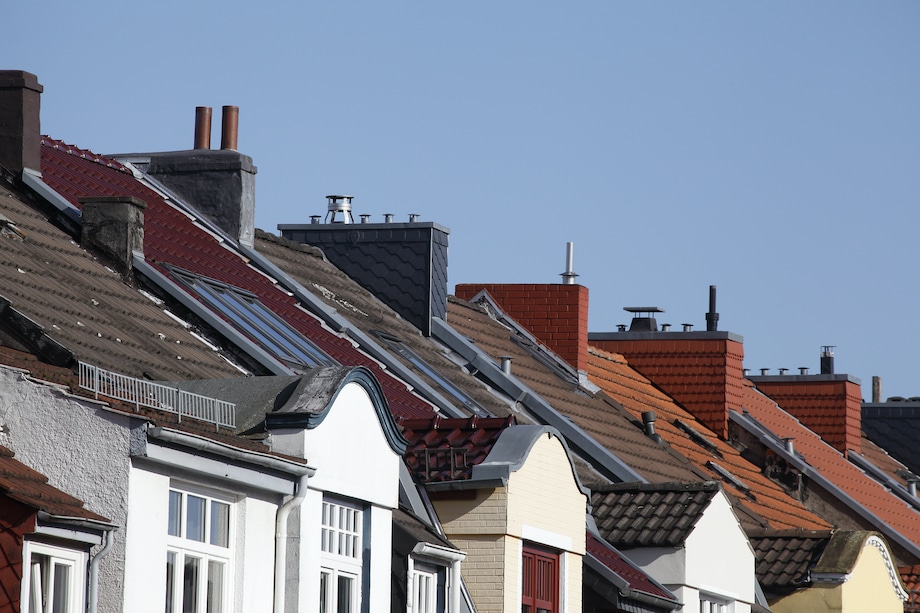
(198, 553)
(54, 579)
(428, 588)
(714, 604)
(342, 557)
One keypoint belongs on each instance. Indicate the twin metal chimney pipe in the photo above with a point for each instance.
(230, 127)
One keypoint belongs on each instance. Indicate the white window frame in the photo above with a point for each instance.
(74, 559)
(710, 603)
(180, 549)
(423, 586)
(341, 555)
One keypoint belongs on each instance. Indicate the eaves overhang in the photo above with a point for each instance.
(584, 444)
(77, 529)
(770, 440)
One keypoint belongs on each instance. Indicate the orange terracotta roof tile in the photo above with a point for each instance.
(612, 373)
(896, 514)
(910, 575)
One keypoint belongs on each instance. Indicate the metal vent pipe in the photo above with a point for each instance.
(230, 127)
(202, 127)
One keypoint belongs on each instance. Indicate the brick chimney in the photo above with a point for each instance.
(700, 370)
(556, 314)
(20, 126)
(829, 404)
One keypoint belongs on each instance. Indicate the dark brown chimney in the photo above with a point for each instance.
(114, 225)
(20, 126)
(230, 126)
(202, 127)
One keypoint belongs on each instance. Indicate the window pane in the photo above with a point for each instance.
(170, 581)
(220, 524)
(215, 587)
(195, 509)
(175, 514)
(345, 594)
(39, 572)
(190, 585)
(324, 580)
(61, 595)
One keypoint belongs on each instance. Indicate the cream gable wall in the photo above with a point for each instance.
(872, 585)
(542, 504)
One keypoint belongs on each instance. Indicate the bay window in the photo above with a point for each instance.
(54, 579)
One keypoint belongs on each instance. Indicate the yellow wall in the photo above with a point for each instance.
(541, 504)
(868, 587)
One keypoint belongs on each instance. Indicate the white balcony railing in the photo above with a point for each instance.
(157, 396)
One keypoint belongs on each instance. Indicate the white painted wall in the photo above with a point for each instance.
(720, 560)
(82, 449)
(145, 537)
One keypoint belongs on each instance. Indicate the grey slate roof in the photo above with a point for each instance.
(894, 426)
(650, 514)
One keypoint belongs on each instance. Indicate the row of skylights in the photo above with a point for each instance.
(422, 366)
(250, 317)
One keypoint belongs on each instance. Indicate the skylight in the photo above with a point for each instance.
(416, 360)
(250, 317)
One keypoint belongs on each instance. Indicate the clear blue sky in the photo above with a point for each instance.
(771, 149)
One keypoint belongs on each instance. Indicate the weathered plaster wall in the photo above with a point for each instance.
(82, 449)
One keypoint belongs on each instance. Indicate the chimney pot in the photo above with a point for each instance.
(688, 327)
(876, 389)
(202, 127)
(665, 327)
(621, 327)
(764, 371)
(745, 371)
(388, 218)
(230, 128)
(413, 217)
(788, 444)
(803, 370)
(339, 204)
(712, 318)
(365, 218)
(827, 360)
(314, 219)
(568, 277)
(783, 371)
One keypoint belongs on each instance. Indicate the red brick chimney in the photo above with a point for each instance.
(20, 129)
(700, 370)
(556, 314)
(830, 405)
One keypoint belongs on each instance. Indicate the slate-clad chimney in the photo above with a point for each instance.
(114, 225)
(402, 264)
(20, 126)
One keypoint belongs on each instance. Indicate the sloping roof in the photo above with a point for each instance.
(894, 426)
(31, 488)
(891, 516)
(910, 576)
(650, 514)
(307, 266)
(783, 559)
(448, 449)
(698, 443)
(608, 424)
(86, 307)
(173, 237)
(635, 579)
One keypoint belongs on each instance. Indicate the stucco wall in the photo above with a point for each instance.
(82, 449)
(720, 560)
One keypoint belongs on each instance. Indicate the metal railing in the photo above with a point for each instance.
(157, 396)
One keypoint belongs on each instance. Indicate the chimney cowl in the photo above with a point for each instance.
(339, 205)
(643, 318)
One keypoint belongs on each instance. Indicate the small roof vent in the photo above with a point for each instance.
(643, 318)
(339, 205)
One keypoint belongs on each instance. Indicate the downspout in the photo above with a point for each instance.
(94, 571)
(281, 539)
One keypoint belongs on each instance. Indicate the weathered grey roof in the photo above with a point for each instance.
(650, 514)
(62, 302)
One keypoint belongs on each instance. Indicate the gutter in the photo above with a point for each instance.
(604, 461)
(769, 440)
